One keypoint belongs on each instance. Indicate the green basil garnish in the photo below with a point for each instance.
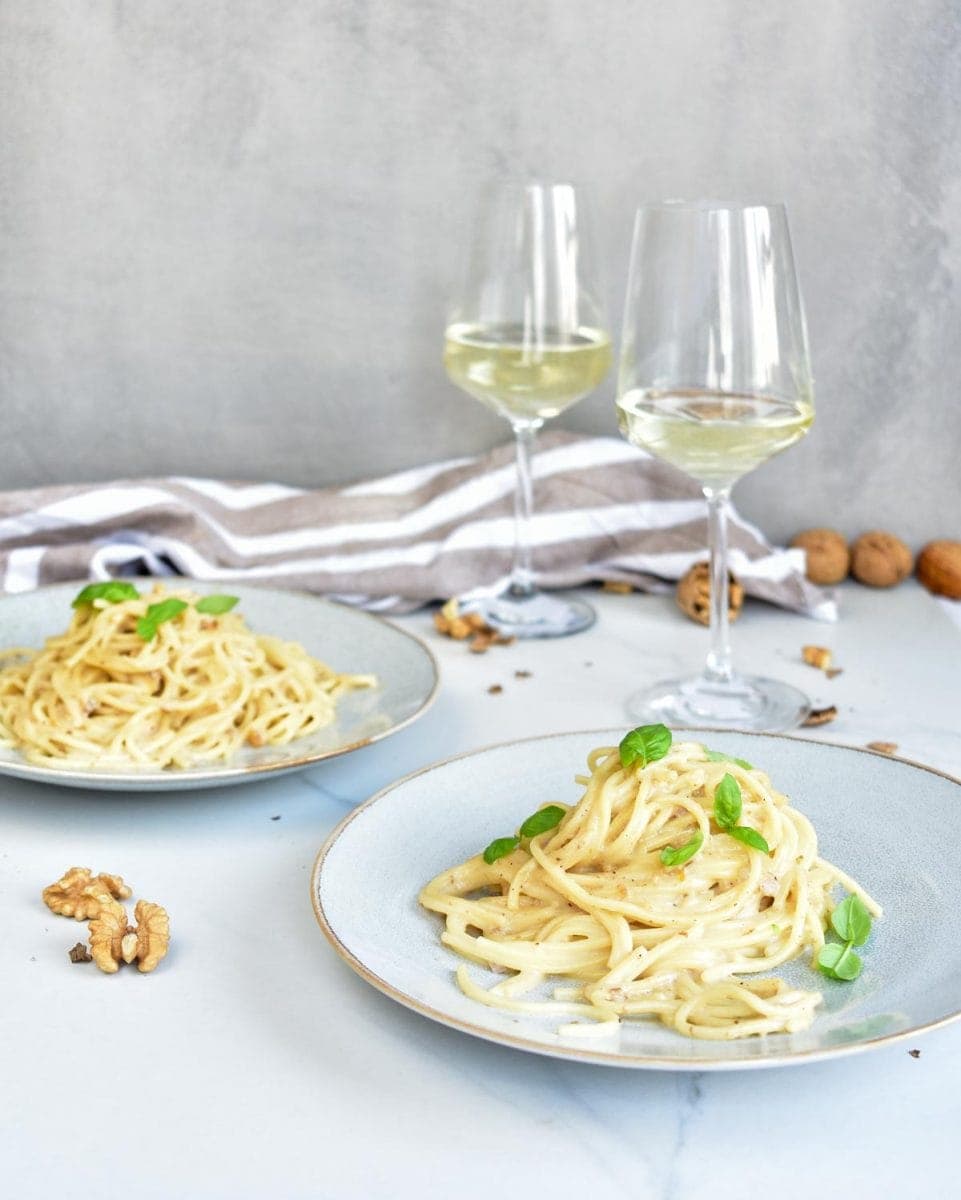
(727, 802)
(216, 604)
(646, 744)
(676, 858)
(113, 591)
(156, 614)
(717, 756)
(542, 820)
(499, 847)
(727, 813)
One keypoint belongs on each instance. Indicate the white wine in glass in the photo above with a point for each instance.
(715, 379)
(527, 338)
(523, 381)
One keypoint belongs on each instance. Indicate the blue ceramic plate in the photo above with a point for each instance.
(891, 824)
(347, 639)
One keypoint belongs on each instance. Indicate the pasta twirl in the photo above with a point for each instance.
(592, 901)
(101, 695)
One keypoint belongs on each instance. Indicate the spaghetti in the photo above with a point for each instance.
(104, 694)
(593, 901)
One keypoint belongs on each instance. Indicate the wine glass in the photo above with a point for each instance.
(527, 338)
(715, 378)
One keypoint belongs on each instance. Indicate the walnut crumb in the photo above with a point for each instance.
(495, 689)
(915, 1053)
(883, 747)
(821, 716)
(79, 953)
(522, 674)
(468, 627)
(817, 656)
(831, 672)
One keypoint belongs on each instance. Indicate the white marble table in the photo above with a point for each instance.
(254, 1063)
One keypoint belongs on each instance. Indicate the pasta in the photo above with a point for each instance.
(592, 900)
(155, 681)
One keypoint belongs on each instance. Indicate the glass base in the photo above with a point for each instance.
(745, 702)
(532, 614)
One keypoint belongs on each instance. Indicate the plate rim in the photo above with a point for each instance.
(592, 1056)
(165, 780)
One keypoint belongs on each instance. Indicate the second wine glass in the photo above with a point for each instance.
(715, 378)
(527, 337)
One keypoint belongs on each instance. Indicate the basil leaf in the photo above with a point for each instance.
(838, 962)
(215, 605)
(676, 858)
(542, 820)
(113, 591)
(156, 614)
(717, 756)
(645, 744)
(750, 837)
(727, 802)
(499, 847)
(851, 921)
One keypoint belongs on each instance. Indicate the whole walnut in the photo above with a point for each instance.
(694, 594)
(827, 558)
(880, 559)
(939, 568)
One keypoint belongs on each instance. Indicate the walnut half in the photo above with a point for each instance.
(79, 893)
(694, 594)
(113, 941)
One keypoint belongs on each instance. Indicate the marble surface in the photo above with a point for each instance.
(250, 218)
(254, 1063)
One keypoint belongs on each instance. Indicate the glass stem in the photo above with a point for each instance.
(522, 574)
(718, 668)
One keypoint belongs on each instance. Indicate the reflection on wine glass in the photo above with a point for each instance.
(715, 378)
(527, 338)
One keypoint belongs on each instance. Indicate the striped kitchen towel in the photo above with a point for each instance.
(603, 511)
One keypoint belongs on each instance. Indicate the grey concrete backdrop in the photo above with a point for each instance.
(229, 228)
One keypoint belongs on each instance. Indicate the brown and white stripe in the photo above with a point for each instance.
(603, 511)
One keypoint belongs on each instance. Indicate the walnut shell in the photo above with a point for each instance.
(694, 594)
(827, 557)
(880, 559)
(939, 568)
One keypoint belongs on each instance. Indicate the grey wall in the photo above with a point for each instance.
(228, 229)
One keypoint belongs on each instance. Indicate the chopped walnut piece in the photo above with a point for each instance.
(817, 656)
(79, 893)
(153, 935)
(883, 747)
(522, 674)
(821, 716)
(113, 941)
(106, 934)
(79, 953)
(451, 622)
(832, 672)
(495, 689)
